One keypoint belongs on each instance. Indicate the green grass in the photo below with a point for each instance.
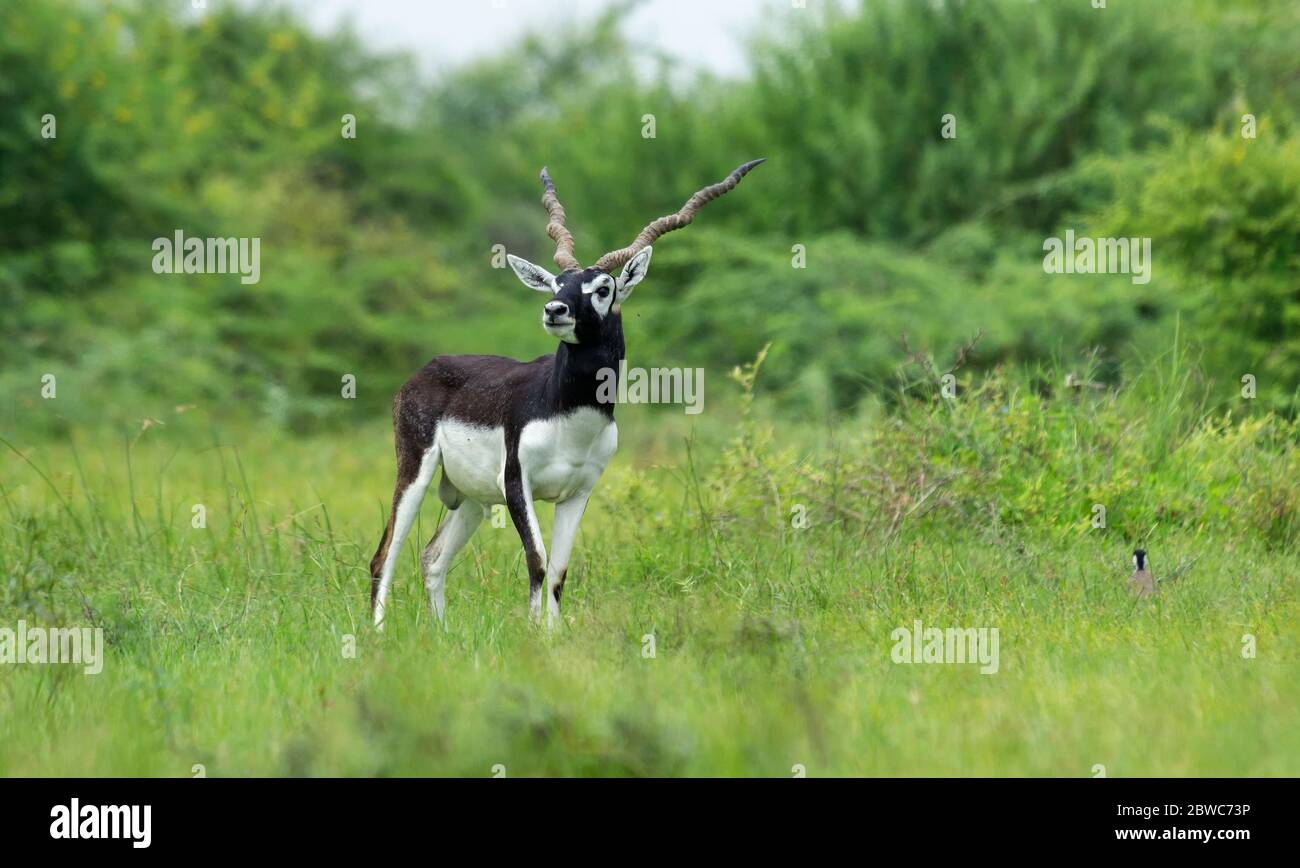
(225, 645)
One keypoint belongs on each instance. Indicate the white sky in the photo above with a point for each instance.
(445, 33)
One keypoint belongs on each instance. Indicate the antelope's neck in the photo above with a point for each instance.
(585, 374)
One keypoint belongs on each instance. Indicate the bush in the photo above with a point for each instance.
(1224, 215)
(841, 326)
(1017, 458)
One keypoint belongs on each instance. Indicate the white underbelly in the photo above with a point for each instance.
(474, 459)
(560, 457)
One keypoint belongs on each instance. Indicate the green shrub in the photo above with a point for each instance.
(1224, 216)
(838, 326)
(1020, 458)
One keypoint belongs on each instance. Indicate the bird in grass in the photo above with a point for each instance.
(1141, 583)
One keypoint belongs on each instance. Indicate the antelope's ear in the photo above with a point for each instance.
(533, 276)
(633, 273)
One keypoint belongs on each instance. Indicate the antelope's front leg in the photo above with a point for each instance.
(568, 515)
(519, 500)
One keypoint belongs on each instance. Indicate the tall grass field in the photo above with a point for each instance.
(730, 605)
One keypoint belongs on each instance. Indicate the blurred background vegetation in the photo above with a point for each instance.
(377, 251)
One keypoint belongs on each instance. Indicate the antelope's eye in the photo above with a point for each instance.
(603, 292)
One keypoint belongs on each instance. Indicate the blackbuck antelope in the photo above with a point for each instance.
(512, 432)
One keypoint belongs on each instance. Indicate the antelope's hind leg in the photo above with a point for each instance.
(447, 541)
(413, 478)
